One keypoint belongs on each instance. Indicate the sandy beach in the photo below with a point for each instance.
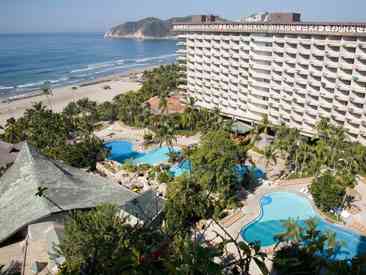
(64, 95)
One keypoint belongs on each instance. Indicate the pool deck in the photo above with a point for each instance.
(120, 131)
(251, 210)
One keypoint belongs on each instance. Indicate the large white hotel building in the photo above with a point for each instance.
(294, 72)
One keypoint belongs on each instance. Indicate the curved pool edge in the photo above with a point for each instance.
(311, 202)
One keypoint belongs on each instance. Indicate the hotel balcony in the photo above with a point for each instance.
(278, 49)
(276, 77)
(349, 44)
(181, 58)
(344, 76)
(234, 79)
(276, 67)
(345, 65)
(312, 102)
(326, 94)
(257, 100)
(234, 46)
(302, 60)
(357, 99)
(256, 108)
(258, 83)
(303, 50)
(290, 49)
(291, 40)
(346, 54)
(334, 42)
(358, 77)
(287, 87)
(339, 105)
(257, 56)
(261, 67)
(234, 63)
(352, 129)
(290, 70)
(319, 42)
(343, 86)
(244, 80)
(305, 41)
(273, 94)
(275, 85)
(361, 56)
(338, 117)
(262, 48)
(354, 120)
(317, 52)
(331, 64)
(245, 38)
(355, 109)
(325, 103)
(297, 117)
(266, 39)
(300, 91)
(317, 62)
(331, 53)
(358, 87)
(262, 75)
(329, 74)
(245, 47)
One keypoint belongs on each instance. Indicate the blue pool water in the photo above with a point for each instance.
(185, 166)
(279, 206)
(121, 151)
(154, 157)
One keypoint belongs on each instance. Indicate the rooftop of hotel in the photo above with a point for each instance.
(282, 18)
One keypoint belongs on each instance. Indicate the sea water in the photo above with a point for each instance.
(28, 60)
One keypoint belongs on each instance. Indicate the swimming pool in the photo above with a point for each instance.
(277, 207)
(185, 166)
(122, 150)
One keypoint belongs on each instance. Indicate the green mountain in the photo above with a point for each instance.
(150, 27)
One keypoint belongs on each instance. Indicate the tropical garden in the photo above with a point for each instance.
(102, 242)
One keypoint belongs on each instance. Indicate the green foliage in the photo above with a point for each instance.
(187, 204)
(330, 148)
(307, 250)
(213, 163)
(100, 242)
(164, 177)
(194, 259)
(107, 111)
(129, 166)
(60, 136)
(328, 190)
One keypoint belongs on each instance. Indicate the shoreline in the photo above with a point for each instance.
(118, 83)
(82, 83)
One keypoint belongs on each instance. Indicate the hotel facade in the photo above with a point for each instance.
(294, 72)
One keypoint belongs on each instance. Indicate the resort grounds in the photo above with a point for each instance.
(99, 90)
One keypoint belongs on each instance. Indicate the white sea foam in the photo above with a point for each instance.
(146, 59)
(116, 63)
(32, 84)
(6, 87)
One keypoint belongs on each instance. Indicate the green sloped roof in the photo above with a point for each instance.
(68, 187)
(145, 207)
(241, 128)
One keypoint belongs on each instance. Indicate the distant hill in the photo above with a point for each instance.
(150, 27)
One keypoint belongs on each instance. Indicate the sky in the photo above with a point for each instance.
(100, 15)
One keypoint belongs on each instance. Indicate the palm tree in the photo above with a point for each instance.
(270, 154)
(47, 91)
(166, 133)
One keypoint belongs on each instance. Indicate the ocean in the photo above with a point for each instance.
(28, 60)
